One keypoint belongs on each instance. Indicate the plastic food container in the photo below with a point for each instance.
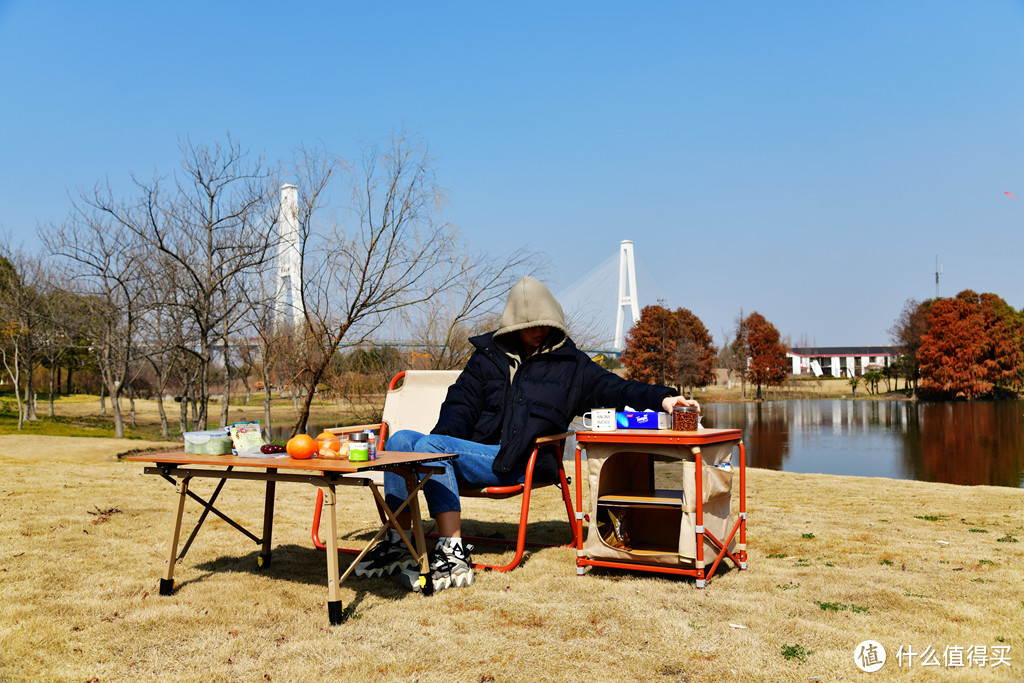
(210, 442)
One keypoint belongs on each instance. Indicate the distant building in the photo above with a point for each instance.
(839, 361)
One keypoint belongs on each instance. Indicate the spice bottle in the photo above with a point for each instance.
(372, 439)
(358, 447)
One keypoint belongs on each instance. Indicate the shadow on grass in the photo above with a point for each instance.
(299, 564)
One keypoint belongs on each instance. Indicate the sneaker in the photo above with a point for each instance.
(384, 559)
(450, 566)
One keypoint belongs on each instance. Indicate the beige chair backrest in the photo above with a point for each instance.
(416, 403)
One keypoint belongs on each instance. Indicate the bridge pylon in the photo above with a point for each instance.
(627, 294)
(288, 300)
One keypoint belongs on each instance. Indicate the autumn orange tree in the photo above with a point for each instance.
(760, 341)
(673, 348)
(971, 348)
(651, 345)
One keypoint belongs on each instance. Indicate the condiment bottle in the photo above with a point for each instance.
(358, 447)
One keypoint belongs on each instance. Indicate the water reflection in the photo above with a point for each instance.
(956, 443)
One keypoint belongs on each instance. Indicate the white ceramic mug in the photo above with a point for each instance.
(601, 420)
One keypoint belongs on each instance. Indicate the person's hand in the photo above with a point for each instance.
(678, 401)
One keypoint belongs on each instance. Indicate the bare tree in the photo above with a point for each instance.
(64, 315)
(475, 296)
(105, 263)
(907, 333)
(689, 369)
(271, 336)
(395, 255)
(164, 335)
(215, 225)
(23, 285)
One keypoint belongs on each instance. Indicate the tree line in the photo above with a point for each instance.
(675, 348)
(175, 282)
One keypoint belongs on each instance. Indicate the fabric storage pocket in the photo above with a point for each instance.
(717, 502)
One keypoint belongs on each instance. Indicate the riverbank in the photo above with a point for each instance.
(833, 561)
(81, 414)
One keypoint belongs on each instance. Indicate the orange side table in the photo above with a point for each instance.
(638, 526)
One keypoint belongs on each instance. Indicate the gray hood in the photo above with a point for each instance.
(531, 304)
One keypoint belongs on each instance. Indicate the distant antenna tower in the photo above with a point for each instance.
(288, 301)
(627, 293)
(938, 272)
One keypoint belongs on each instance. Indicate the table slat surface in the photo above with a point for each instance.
(343, 465)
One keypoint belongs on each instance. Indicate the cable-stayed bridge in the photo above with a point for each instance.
(602, 306)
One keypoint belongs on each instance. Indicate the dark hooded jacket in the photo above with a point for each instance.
(501, 398)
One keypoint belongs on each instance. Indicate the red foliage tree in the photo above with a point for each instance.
(955, 348)
(1003, 325)
(765, 352)
(972, 347)
(670, 348)
(651, 345)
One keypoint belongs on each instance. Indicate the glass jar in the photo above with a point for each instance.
(358, 447)
(685, 418)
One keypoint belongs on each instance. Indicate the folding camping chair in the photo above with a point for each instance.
(416, 404)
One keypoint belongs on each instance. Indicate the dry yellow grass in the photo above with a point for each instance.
(83, 544)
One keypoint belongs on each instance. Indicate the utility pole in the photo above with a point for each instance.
(938, 272)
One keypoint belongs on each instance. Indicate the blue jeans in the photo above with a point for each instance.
(472, 469)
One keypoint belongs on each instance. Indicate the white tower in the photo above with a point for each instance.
(288, 301)
(627, 293)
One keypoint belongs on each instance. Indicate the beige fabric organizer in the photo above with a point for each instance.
(660, 524)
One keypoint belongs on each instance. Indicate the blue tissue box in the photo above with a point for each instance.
(645, 420)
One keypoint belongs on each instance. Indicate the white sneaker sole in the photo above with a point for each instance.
(384, 571)
(411, 579)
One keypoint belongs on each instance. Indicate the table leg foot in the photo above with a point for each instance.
(263, 560)
(426, 584)
(166, 586)
(335, 612)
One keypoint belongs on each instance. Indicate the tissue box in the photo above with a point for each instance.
(645, 420)
(210, 442)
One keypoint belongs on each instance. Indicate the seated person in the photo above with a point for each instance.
(525, 380)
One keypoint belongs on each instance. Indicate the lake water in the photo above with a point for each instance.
(954, 443)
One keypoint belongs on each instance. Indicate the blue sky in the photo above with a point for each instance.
(808, 160)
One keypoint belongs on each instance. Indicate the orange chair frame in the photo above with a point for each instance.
(494, 492)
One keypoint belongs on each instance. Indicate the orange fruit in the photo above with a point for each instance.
(301, 446)
(329, 440)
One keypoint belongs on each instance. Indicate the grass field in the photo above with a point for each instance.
(834, 561)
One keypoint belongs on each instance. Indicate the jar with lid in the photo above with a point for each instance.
(685, 418)
(358, 447)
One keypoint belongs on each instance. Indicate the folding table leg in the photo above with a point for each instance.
(167, 582)
(426, 585)
(334, 607)
(268, 522)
